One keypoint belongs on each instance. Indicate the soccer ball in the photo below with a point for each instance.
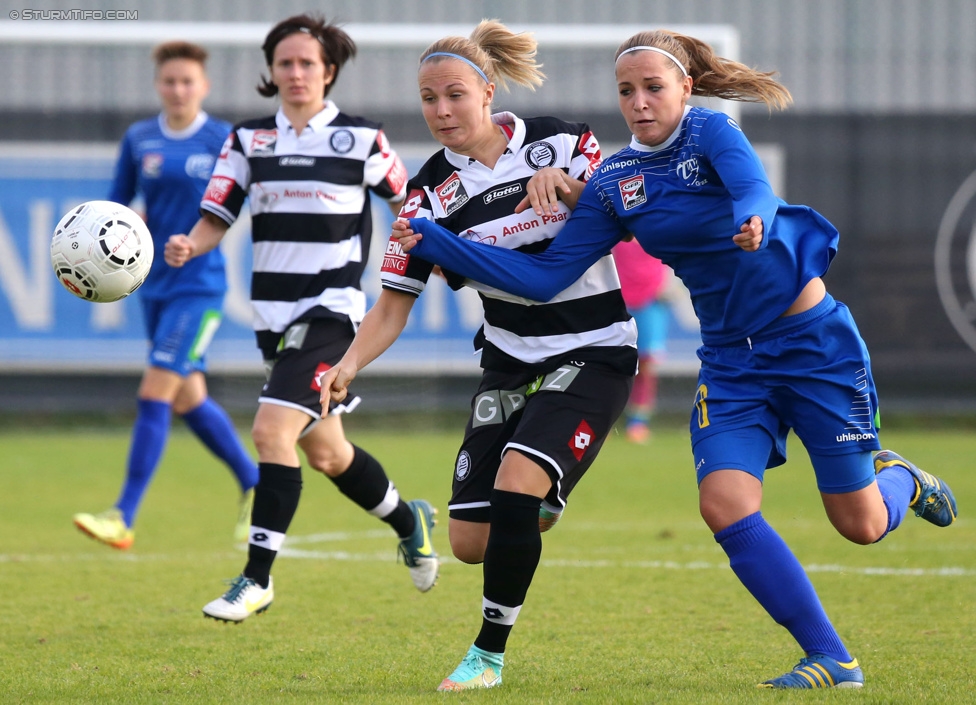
(101, 251)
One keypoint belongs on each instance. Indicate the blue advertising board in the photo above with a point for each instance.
(45, 328)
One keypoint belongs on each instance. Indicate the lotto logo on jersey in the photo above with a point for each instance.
(632, 192)
(591, 148)
(320, 371)
(263, 142)
(451, 194)
(415, 199)
(581, 440)
(218, 189)
(394, 259)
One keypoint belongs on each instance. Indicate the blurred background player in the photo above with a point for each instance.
(555, 375)
(167, 161)
(643, 280)
(308, 171)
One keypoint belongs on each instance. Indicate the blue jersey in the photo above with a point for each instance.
(170, 170)
(683, 200)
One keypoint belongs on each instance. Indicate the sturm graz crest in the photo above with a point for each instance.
(955, 261)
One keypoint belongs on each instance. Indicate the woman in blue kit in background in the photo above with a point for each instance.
(167, 160)
(778, 351)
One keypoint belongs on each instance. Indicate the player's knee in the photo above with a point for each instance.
(269, 441)
(467, 551)
(328, 460)
(863, 530)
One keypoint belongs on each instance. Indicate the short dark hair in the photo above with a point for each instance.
(179, 50)
(337, 46)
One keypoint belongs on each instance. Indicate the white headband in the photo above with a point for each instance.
(659, 51)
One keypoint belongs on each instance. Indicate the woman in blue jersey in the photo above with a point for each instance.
(307, 173)
(779, 352)
(167, 161)
(557, 375)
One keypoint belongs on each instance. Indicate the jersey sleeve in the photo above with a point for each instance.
(586, 157)
(229, 182)
(402, 271)
(123, 188)
(740, 169)
(385, 173)
(587, 236)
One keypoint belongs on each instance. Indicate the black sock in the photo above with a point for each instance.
(511, 557)
(365, 483)
(275, 502)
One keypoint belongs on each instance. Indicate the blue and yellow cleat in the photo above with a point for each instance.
(479, 669)
(819, 671)
(417, 550)
(933, 500)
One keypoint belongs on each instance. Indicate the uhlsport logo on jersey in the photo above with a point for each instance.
(581, 440)
(451, 194)
(263, 142)
(632, 192)
(955, 261)
(394, 259)
(540, 155)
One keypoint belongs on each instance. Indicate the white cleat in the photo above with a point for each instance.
(244, 598)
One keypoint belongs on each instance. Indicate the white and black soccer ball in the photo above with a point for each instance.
(101, 251)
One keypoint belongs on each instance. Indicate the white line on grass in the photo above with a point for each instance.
(287, 551)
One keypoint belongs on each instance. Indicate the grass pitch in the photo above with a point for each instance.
(633, 603)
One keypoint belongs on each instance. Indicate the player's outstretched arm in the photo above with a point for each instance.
(205, 236)
(380, 328)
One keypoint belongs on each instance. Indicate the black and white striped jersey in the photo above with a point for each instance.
(588, 319)
(310, 213)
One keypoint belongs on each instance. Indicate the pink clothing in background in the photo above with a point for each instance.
(641, 276)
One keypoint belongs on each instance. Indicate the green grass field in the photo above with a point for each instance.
(633, 603)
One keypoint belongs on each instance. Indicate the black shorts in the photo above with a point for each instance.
(559, 420)
(307, 350)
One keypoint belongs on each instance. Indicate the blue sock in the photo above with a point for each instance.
(213, 426)
(149, 436)
(770, 571)
(897, 488)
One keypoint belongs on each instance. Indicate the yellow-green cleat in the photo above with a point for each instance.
(933, 500)
(417, 550)
(108, 527)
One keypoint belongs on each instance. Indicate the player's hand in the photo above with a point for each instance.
(407, 237)
(542, 191)
(751, 235)
(335, 383)
(178, 250)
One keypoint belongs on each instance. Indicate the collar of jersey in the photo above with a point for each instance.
(637, 146)
(514, 145)
(187, 132)
(322, 118)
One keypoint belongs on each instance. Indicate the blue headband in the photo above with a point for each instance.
(459, 58)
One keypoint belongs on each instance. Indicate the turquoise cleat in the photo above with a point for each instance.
(417, 550)
(479, 669)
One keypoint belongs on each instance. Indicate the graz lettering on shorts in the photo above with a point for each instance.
(842, 438)
(294, 337)
(496, 405)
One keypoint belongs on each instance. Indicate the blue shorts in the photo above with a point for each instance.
(810, 373)
(652, 328)
(180, 330)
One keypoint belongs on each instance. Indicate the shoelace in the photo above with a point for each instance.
(237, 586)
